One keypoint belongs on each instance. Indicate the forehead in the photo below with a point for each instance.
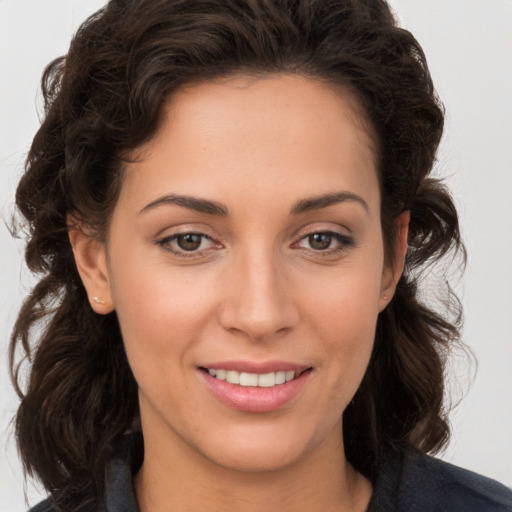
(267, 102)
(298, 132)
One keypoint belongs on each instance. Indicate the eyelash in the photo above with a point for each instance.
(344, 242)
(166, 242)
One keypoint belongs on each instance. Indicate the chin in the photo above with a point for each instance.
(256, 458)
(262, 451)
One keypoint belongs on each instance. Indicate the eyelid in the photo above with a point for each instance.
(183, 228)
(165, 241)
(344, 240)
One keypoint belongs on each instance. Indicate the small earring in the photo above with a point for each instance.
(385, 297)
(98, 300)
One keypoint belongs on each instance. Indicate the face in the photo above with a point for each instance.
(246, 245)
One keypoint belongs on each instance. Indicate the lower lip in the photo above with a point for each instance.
(255, 399)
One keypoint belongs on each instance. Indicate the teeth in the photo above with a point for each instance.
(262, 380)
(233, 377)
(280, 377)
(248, 379)
(267, 380)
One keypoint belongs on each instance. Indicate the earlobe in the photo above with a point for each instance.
(393, 271)
(91, 263)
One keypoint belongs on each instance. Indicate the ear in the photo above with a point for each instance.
(91, 263)
(393, 270)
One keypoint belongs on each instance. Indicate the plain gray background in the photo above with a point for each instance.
(469, 47)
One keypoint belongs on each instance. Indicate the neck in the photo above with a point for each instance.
(176, 478)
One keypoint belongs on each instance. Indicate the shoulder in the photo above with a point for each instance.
(48, 506)
(119, 495)
(465, 488)
(415, 482)
(44, 506)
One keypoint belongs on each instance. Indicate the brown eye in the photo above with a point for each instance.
(189, 241)
(193, 245)
(319, 241)
(325, 243)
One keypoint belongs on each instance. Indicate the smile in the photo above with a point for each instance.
(261, 380)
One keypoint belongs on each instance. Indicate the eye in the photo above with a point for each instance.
(187, 244)
(320, 241)
(325, 241)
(189, 241)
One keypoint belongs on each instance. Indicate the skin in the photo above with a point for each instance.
(256, 289)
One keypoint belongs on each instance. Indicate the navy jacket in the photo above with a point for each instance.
(407, 482)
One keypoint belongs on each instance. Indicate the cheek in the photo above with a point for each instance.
(349, 331)
(161, 311)
(345, 300)
(344, 315)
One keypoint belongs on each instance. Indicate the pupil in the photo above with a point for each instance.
(189, 242)
(320, 241)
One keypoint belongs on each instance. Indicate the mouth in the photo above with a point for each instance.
(254, 388)
(260, 380)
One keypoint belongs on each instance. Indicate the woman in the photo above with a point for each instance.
(223, 197)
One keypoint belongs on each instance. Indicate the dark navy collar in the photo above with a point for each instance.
(124, 464)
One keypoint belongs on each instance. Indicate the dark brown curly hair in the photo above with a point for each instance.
(104, 99)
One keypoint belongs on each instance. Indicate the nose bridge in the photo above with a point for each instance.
(257, 302)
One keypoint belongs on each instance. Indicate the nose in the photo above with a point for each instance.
(258, 301)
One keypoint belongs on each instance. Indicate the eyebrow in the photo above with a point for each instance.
(214, 208)
(190, 203)
(325, 200)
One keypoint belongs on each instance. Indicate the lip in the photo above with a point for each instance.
(255, 399)
(257, 367)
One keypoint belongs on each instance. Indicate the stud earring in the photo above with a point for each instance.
(97, 300)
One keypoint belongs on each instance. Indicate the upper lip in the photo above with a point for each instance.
(261, 367)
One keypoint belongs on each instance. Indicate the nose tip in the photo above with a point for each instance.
(257, 321)
(258, 304)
